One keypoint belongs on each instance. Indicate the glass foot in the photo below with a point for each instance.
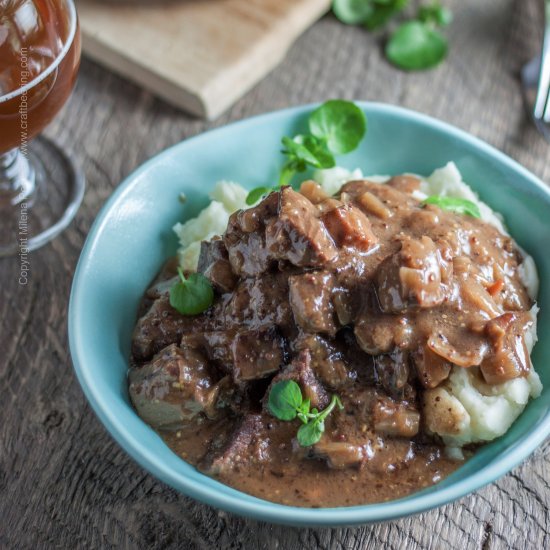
(39, 196)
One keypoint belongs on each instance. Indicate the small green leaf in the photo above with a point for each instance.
(324, 159)
(340, 124)
(435, 14)
(193, 295)
(303, 412)
(303, 150)
(256, 194)
(454, 204)
(306, 406)
(415, 45)
(310, 150)
(290, 167)
(295, 149)
(310, 433)
(285, 399)
(383, 13)
(352, 12)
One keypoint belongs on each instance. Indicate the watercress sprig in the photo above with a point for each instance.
(311, 432)
(370, 13)
(415, 44)
(335, 128)
(454, 204)
(340, 125)
(435, 13)
(286, 402)
(191, 295)
(383, 12)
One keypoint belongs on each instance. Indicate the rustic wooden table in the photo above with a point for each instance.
(64, 483)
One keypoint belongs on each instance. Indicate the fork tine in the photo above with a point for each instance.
(541, 110)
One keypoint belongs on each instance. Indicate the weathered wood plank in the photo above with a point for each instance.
(64, 482)
(200, 56)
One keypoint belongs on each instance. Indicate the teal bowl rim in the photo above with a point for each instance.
(262, 509)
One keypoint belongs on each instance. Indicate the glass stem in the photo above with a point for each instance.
(17, 178)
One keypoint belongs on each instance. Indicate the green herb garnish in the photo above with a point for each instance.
(193, 295)
(353, 12)
(383, 13)
(287, 403)
(416, 44)
(435, 13)
(256, 194)
(454, 204)
(370, 13)
(339, 125)
(335, 128)
(304, 150)
(311, 432)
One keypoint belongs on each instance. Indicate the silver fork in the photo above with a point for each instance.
(540, 66)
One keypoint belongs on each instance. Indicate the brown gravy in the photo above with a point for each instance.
(369, 295)
(310, 483)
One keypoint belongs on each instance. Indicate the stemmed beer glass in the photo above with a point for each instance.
(40, 186)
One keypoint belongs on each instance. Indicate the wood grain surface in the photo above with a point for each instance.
(63, 482)
(199, 55)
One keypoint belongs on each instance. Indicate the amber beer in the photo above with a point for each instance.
(38, 67)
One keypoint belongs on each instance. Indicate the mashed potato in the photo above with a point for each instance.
(227, 197)
(463, 409)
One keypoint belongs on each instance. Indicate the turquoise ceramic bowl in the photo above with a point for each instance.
(132, 237)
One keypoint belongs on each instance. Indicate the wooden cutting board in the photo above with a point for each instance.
(200, 55)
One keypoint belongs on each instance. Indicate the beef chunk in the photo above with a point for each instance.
(164, 280)
(247, 443)
(344, 305)
(160, 326)
(326, 361)
(214, 265)
(256, 354)
(244, 238)
(260, 303)
(340, 455)
(349, 227)
(378, 333)
(161, 288)
(415, 276)
(310, 298)
(174, 388)
(359, 402)
(297, 235)
(509, 357)
(283, 227)
(395, 418)
(301, 372)
(246, 355)
(393, 372)
(215, 344)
